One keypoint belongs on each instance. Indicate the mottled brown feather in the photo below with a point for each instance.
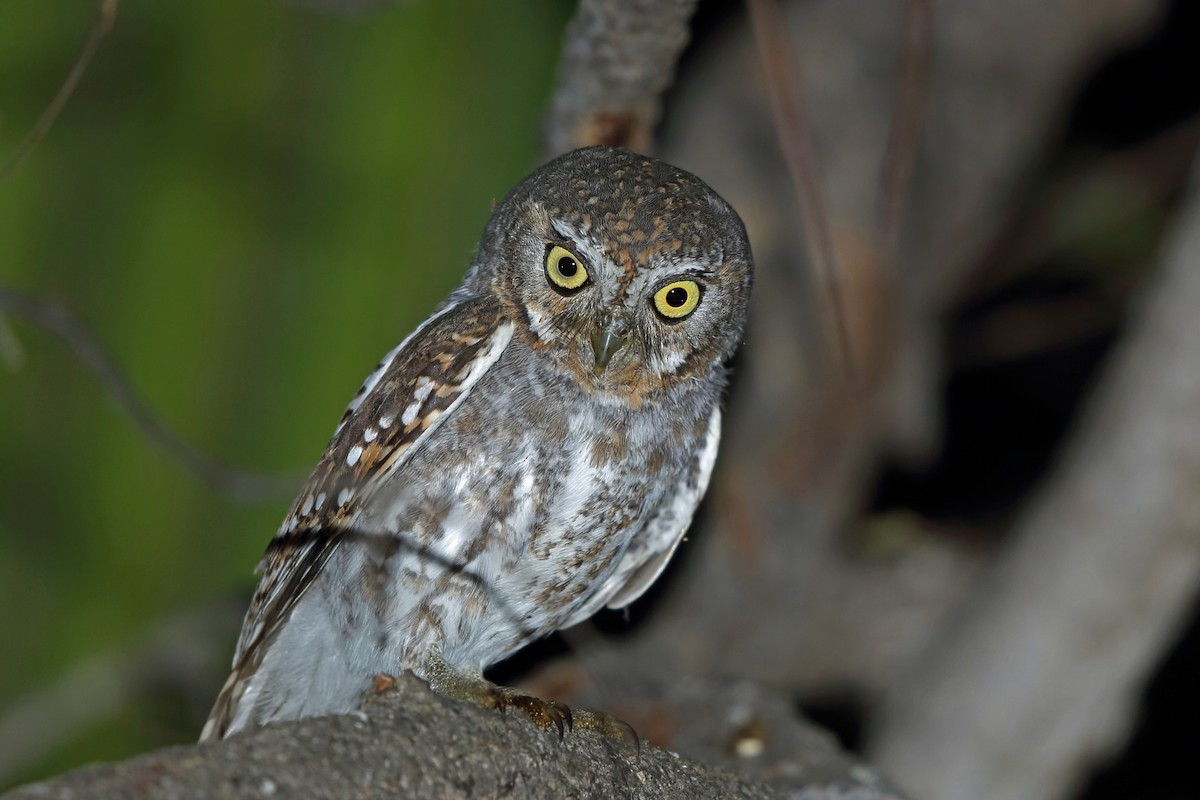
(442, 357)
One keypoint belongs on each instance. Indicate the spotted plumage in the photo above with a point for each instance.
(533, 452)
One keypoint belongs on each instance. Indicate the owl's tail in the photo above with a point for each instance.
(224, 711)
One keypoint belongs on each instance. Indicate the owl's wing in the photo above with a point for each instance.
(398, 407)
(642, 565)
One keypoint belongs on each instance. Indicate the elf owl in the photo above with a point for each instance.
(533, 452)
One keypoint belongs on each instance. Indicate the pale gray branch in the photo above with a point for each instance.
(1039, 677)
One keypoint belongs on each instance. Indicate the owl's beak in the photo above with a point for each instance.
(605, 344)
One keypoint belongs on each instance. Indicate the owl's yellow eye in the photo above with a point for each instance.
(565, 270)
(677, 299)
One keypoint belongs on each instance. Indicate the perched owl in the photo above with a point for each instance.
(534, 451)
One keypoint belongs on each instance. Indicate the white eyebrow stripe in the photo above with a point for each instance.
(579, 242)
(566, 230)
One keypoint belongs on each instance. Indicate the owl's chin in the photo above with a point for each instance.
(627, 383)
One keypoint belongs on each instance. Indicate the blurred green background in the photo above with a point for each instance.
(249, 203)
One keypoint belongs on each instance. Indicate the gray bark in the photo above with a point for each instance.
(410, 742)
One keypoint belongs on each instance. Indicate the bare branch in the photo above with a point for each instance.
(618, 58)
(795, 140)
(1040, 674)
(59, 320)
(102, 23)
(905, 136)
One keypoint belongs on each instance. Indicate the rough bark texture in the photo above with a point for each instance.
(618, 58)
(410, 742)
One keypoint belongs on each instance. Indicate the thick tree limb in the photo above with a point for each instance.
(413, 743)
(1039, 676)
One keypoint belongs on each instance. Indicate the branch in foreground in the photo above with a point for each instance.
(413, 743)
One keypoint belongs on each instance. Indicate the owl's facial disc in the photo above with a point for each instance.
(621, 314)
(627, 273)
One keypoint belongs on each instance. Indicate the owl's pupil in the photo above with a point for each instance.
(567, 267)
(676, 297)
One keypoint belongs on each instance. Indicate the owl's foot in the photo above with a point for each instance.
(602, 722)
(447, 681)
(546, 714)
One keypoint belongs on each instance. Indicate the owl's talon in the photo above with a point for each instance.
(447, 681)
(551, 713)
(543, 713)
(604, 723)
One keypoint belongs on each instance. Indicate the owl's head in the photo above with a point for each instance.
(629, 273)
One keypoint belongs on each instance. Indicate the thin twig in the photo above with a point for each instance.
(795, 139)
(102, 23)
(905, 135)
(59, 320)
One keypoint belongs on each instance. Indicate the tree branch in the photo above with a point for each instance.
(618, 58)
(102, 22)
(56, 318)
(411, 742)
(1039, 675)
(794, 134)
